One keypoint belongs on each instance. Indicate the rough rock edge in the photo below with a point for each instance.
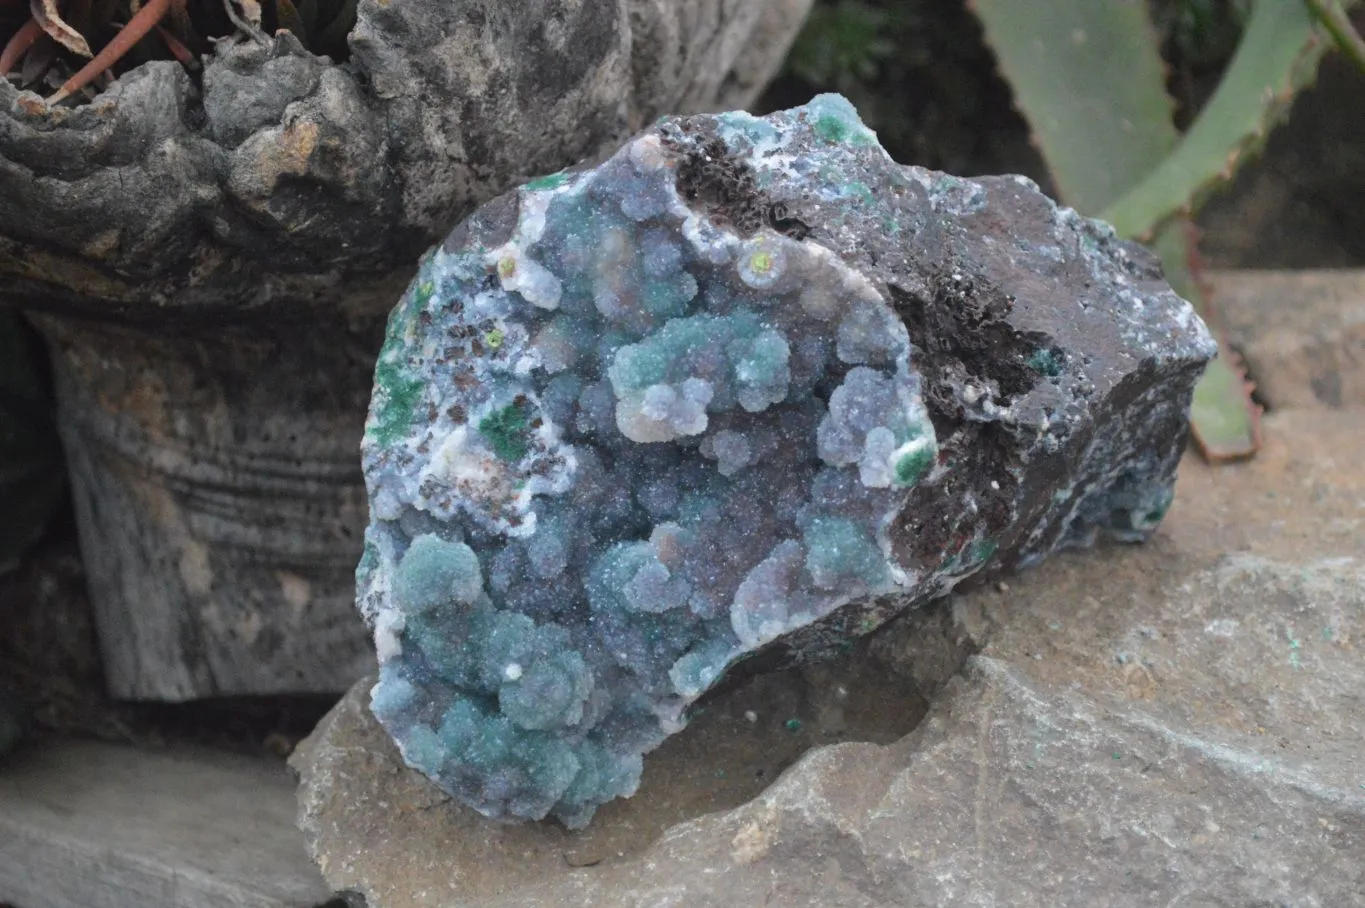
(288, 177)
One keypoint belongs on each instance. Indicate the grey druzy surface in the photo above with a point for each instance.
(746, 387)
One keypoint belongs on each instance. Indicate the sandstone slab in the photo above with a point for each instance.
(85, 824)
(1173, 723)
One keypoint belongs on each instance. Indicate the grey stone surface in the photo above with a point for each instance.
(85, 824)
(1177, 723)
(379, 828)
(11, 719)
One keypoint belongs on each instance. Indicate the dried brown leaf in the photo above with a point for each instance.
(46, 15)
(18, 45)
(137, 28)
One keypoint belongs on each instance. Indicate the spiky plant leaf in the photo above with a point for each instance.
(1226, 422)
(1089, 79)
(1277, 56)
(847, 40)
(1337, 24)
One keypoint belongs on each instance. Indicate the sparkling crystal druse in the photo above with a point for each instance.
(747, 385)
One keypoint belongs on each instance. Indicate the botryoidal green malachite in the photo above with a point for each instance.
(746, 386)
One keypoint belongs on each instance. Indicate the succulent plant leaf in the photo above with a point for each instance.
(1338, 25)
(1277, 56)
(1226, 421)
(1089, 79)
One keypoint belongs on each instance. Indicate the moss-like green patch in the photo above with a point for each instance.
(836, 130)
(914, 465)
(1157, 512)
(506, 431)
(417, 297)
(369, 560)
(398, 395)
(981, 550)
(1045, 361)
(831, 128)
(860, 191)
(549, 181)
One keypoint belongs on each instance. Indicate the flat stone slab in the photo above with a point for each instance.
(380, 828)
(92, 825)
(1179, 722)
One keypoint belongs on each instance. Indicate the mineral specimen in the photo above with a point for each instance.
(748, 386)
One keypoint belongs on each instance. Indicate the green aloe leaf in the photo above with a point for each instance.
(1089, 79)
(1277, 56)
(31, 475)
(1337, 24)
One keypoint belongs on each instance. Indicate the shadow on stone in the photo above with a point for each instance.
(399, 834)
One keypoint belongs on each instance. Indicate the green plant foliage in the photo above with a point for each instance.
(924, 81)
(1225, 421)
(1090, 80)
(31, 475)
(1338, 25)
(849, 42)
(1277, 56)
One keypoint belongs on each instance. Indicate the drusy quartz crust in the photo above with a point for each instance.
(747, 386)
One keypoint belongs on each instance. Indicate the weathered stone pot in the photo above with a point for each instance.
(211, 265)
